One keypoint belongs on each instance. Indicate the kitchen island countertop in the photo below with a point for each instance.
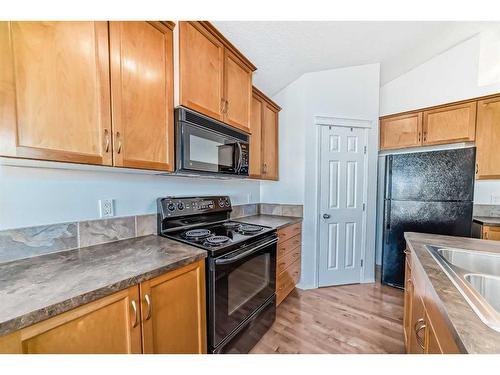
(472, 335)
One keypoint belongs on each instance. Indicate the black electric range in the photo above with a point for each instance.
(240, 268)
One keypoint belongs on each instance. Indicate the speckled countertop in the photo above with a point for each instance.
(35, 289)
(486, 220)
(470, 332)
(272, 221)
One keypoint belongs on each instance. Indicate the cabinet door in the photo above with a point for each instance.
(142, 95)
(173, 310)
(269, 143)
(55, 101)
(237, 92)
(110, 325)
(456, 123)
(431, 339)
(256, 138)
(201, 67)
(491, 233)
(408, 296)
(401, 131)
(488, 139)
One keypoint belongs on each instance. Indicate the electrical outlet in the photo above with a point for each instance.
(106, 208)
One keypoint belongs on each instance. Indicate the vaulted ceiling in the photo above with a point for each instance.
(284, 50)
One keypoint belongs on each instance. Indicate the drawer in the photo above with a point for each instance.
(285, 247)
(289, 231)
(286, 261)
(286, 281)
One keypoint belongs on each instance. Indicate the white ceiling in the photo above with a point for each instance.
(284, 50)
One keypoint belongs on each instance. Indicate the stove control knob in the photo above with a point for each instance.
(227, 203)
(180, 206)
(171, 206)
(221, 203)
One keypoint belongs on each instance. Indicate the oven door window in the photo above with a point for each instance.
(241, 288)
(204, 150)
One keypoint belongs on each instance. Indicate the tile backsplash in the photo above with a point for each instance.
(295, 210)
(33, 241)
(488, 210)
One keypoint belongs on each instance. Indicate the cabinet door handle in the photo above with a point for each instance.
(106, 135)
(148, 301)
(136, 316)
(419, 326)
(425, 136)
(119, 143)
(419, 136)
(222, 105)
(227, 107)
(477, 168)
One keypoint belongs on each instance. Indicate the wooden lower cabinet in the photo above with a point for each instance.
(173, 311)
(490, 233)
(288, 258)
(110, 325)
(174, 322)
(408, 296)
(426, 329)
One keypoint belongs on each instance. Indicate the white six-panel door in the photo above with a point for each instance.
(342, 179)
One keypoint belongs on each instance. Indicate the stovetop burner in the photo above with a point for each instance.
(197, 234)
(216, 240)
(249, 229)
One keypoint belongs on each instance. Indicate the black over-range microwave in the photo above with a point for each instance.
(207, 146)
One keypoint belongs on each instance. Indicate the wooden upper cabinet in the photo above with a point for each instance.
(401, 131)
(55, 100)
(269, 142)
(142, 94)
(173, 311)
(264, 137)
(110, 325)
(256, 137)
(488, 139)
(215, 79)
(238, 92)
(450, 124)
(201, 70)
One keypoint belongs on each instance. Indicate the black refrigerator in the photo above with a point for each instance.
(427, 192)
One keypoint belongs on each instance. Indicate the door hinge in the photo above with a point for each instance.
(364, 206)
(364, 148)
(361, 262)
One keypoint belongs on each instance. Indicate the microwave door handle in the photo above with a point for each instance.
(240, 158)
(220, 262)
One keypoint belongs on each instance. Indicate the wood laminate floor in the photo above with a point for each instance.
(361, 318)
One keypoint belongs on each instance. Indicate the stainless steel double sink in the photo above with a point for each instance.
(476, 274)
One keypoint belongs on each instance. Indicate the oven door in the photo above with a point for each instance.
(240, 283)
(203, 150)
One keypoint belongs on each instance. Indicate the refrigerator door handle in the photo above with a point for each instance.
(387, 220)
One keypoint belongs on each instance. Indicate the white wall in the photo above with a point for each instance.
(36, 196)
(465, 71)
(346, 93)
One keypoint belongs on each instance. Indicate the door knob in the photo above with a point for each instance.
(326, 216)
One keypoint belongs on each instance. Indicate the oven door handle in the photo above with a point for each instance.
(221, 261)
